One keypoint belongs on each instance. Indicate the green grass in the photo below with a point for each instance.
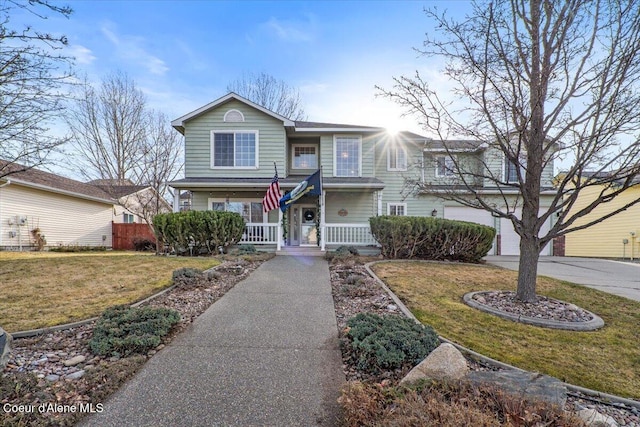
(607, 360)
(46, 289)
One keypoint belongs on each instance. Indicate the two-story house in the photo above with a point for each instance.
(232, 145)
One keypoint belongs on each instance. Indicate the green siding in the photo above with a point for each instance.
(271, 142)
(359, 206)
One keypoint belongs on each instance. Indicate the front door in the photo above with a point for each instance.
(302, 228)
(308, 227)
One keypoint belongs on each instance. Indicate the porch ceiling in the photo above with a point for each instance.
(288, 182)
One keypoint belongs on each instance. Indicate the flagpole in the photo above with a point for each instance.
(322, 211)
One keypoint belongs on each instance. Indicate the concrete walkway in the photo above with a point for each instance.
(614, 277)
(265, 354)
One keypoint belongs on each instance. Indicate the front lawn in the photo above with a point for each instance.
(46, 289)
(607, 360)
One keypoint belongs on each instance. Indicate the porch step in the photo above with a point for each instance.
(300, 251)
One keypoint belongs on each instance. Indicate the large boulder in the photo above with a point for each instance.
(526, 385)
(445, 363)
(5, 347)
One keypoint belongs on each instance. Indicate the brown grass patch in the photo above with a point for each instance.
(445, 405)
(50, 289)
(607, 360)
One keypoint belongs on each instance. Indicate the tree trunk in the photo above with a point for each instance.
(528, 270)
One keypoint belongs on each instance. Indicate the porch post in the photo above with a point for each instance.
(323, 223)
(379, 202)
(279, 237)
(176, 200)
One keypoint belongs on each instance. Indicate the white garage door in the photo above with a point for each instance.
(510, 241)
(462, 213)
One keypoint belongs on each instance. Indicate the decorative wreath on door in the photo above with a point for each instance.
(309, 215)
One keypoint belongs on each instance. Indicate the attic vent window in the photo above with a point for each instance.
(233, 116)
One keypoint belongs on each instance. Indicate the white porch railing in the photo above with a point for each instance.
(260, 233)
(348, 234)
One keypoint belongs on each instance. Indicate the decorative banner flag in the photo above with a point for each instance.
(271, 199)
(311, 185)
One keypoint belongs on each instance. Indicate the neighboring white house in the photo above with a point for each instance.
(67, 212)
(136, 203)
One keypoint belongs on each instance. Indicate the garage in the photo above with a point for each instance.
(509, 239)
(463, 213)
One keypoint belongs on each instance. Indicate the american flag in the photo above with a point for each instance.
(271, 200)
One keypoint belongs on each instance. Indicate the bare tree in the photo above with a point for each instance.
(536, 81)
(160, 162)
(270, 93)
(34, 79)
(108, 128)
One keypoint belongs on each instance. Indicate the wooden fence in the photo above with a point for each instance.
(124, 235)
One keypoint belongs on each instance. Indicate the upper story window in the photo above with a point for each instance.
(445, 166)
(396, 158)
(304, 156)
(234, 149)
(233, 116)
(347, 156)
(511, 169)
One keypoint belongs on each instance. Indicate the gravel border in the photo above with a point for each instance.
(595, 323)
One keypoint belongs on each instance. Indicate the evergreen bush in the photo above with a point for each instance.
(198, 232)
(124, 330)
(388, 342)
(411, 237)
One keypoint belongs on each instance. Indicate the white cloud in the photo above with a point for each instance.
(291, 30)
(81, 54)
(132, 49)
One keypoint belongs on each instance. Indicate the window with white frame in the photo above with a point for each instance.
(234, 149)
(397, 209)
(304, 156)
(445, 166)
(128, 218)
(511, 169)
(396, 158)
(250, 210)
(347, 156)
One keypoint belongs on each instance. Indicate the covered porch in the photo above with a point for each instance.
(338, 217)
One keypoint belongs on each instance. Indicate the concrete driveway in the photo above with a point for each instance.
(615, 277)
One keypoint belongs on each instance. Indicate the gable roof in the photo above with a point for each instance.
(34, 178)
(118, 188)
(178, 123)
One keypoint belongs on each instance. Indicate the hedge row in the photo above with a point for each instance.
(410, 237)
(199, 232)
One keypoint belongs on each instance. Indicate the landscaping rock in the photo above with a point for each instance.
(75, 376)
(594, 418)
(52, 377)
(526, 385)
(444, 363)
(5, 348)
(74, 360)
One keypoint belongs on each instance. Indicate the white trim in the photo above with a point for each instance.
(451, 173)
(15, 181)
(398, 148)
(397, 204)
(231, 111)
(335, 157)
(234, 132)
(178, 123)
(210, 200)
(342, 130)
(293, 149)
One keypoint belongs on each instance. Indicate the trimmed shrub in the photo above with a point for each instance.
(199, 232)
(124, 330)
(143, 244)
(388, 342)
(411, 237)
(245, 250)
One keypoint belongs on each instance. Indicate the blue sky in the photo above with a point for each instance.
(182, 54)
